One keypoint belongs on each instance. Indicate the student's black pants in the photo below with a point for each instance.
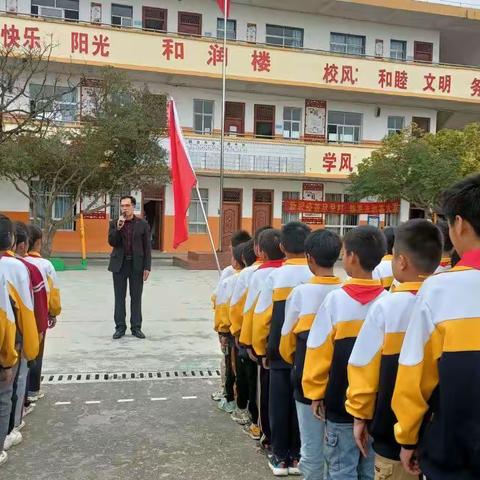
(263, 396)
(35, 372)
(251, 367)
(283, 416)
(135, 280)
(241, 360)
(229, 371)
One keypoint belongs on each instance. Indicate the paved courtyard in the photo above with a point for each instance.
(167, 428)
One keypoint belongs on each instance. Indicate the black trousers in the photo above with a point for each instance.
(229, 371)
(283, 416)
(263, 397)
(35, 372)
(251, 368)
(241, 359)
(135, 282)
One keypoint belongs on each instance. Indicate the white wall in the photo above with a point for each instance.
(316, 28)
(11, 200)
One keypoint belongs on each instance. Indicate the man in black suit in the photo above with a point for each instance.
(130, 260)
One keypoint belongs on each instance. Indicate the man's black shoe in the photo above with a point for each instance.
(118, 334)
(138, 333)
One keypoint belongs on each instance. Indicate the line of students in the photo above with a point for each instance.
(29, 305)
(357, 381)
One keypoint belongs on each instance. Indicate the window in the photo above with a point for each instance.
(122, 15)
(231, 29)
(351, 44)
(398, 49)
(55, 102)
(290, 217)
(189, 23)
(284, 36)
(291, 122)
(115, 204)
(64, 9)
(203, 116)
(422, 123)
(344, 127)
(61, 207)
(392, 219)
(395, 124)
(234, 118)
(155, 19)
(423, 51)
(196, 220)
(264, 121)
(339, 223)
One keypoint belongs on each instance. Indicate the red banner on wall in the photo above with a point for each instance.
(352, 208)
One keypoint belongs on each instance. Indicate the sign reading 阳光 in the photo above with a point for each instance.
(132, 49)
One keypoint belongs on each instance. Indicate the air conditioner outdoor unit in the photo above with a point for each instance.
(51, 12)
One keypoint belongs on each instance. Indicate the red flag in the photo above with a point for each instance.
(222, 4)
(183, 176)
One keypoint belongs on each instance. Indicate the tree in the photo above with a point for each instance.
(115, 148)
(416, 167)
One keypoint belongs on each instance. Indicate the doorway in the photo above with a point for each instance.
(262, 209)
(153, 202)
(232, 214)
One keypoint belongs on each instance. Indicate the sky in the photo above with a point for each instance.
(462, 3)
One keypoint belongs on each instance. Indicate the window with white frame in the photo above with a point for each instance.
(291, 122)
(284, 36)
(196, 220)
(336, 222)
(53, 101)
(398, 49)
(345, 43)
(286, 216)
(62, 9)
(203, 116)
(115, 204)
(344, 127)
(395, 124)
(392, 219)
(231, 29)
(61, 207)
(122, 15)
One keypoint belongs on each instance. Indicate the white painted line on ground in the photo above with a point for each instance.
(63, 403)
(92, 402)
(125, 400)
(193, 397)
(158, 399)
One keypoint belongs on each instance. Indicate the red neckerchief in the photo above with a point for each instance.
(445, 262)
(363, 291)
(470, 259)
(271, 264)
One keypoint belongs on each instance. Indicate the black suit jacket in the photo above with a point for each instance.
(142, 250)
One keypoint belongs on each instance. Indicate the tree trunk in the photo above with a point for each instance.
(49, 232)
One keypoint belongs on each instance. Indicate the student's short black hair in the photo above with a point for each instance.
(463, 199)
(293, 237)
(455, 258)
(368, 243)
(249, 255)
(237, 253)
(258, 232)
(269, 244)
(132, 199)
(422, 242)
(34, 233)
(21, 233)
(442, 224)
(324, 247)
(389, 233)
(6, 232)
(238, 237)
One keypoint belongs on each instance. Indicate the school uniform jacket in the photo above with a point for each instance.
(222, 306)
(438, 380)
(269, 312)
(8, 353)
(226, 272)
(239, 297)
(257, 280)
(445, 264)
(51, 282)
(300, 310)
(330, 343)
(383, 272)
(373, 364)
(19, 288)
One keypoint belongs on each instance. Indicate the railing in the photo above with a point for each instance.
(235, 42)
(248, 163)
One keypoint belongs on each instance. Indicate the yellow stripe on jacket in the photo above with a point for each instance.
(8, 353)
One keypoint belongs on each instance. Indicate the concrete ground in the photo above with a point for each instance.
(146, 429)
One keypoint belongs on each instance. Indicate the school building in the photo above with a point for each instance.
(313, 86)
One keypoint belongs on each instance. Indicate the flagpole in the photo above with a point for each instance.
(222, 134)
(208, 230)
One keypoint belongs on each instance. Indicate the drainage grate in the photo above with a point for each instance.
(63, 378)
